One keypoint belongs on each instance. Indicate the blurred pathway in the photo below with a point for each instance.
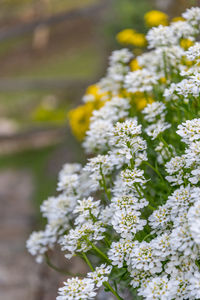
(18, 274)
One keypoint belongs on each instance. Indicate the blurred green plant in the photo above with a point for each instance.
(127, 14)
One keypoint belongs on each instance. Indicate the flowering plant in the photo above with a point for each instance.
(132, 213)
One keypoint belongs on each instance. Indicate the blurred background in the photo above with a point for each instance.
(50, 51)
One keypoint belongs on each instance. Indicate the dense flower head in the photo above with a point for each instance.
(76, 288)
(132, 212)
(140, 80)
(100, 274)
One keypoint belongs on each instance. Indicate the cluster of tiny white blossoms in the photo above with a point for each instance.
(132, 212)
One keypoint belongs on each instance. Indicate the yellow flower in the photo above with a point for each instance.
(141, 100)
(134, 65)
(186, 43)
(163, 80)
(93, 93)
(125, 36)
(141, 104)
(79, 118)
(138, 40)
(177, 19)
(155, 18)
(187, 62)
(131, 37)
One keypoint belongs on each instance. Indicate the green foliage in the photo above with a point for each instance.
(127, 14)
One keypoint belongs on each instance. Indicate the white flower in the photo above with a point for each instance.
(117, 72)
(129, 201)
(175, 168)
(98, 168)
(139, 278)
(189, 131)
(155, 129)
(68, 183)
(183, 29)
(131, 177)
(192, 15)
(196, 176)
(127, 222)
(121, 252)
(180, 201)
(194, 221)
(68, 178)
(195, 285)
(77, 240)
(192, 155)
(70, 169)
(38, 243)
(181, 240)
(193, 52)
(109, 84)
(97, 136)
(59, 207)
(161, 36)
(163, 152)
(144, 258)
(140, 81)
(161, 245)
(159, 288)
(87, 209)
(100, 274)
(77, 289)
(102, 122)
(154, 110)
(160, 218)
(121, 56)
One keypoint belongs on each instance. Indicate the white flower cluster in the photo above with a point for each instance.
(117, 70)
(133, 210)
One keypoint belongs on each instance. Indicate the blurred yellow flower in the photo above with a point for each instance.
(186, 43)
(125, 36)
(131, 37)
(163, 80)
(139, 40)
(155, 18)
(79, 118)
(141, 100)
(177, 19)
(134, 65)
(93, 93)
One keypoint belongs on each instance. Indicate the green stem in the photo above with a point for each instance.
(107, 284)
(165, 143)
(151, 207)
(52, 266)
(104, 184)
(87, 261)
(154, 169)
(144, 239)
(165, 65)
(138, 190)
(98, 250)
